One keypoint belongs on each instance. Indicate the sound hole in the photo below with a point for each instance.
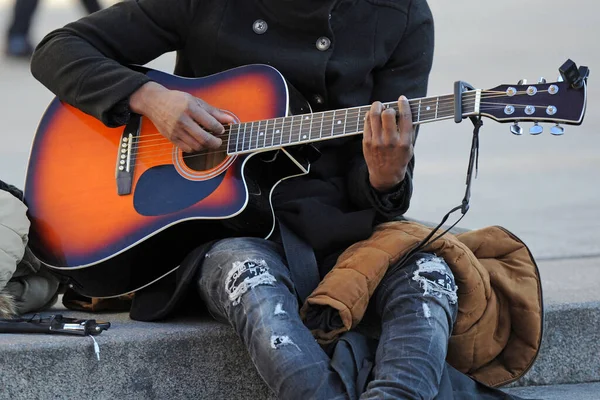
(204, 160)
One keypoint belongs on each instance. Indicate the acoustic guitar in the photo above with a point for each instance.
(115, 209)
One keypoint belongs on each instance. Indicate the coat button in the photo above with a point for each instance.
(259, 26)
(317, 98)
(323, 43)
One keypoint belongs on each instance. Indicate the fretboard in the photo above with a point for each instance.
(304, 128)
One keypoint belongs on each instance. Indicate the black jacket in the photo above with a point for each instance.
(338, 54)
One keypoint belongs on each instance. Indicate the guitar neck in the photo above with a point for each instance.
(253, 136)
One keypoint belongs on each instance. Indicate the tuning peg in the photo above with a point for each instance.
(522, 82)
(542, 80)
(515, 129)
(535, 129)
(557, 130)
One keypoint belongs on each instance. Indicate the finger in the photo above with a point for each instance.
(209, 128)
(390, 134)
(201, 137)
(204, 118)
(367, 136)
(190, 134)
(405, 122)
(186, 148)
(221, 116)
(375, 121)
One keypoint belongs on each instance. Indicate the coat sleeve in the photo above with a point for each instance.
(405, 73)
(83, 62)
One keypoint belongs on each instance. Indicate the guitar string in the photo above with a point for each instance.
(295, 127)
(431, 101)
(270, 136)
(423, 112)
(327, 121)
(223, 149)
(168, 155)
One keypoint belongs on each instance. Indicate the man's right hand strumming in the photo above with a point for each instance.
(187, 121)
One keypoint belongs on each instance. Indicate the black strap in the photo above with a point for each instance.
(464, 206)
(301, 262)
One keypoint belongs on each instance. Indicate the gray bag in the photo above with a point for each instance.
(25, 285)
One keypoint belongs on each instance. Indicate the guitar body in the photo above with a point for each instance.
(108, 242)
(114, 210)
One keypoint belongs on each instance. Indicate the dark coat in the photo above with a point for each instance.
(336, 53)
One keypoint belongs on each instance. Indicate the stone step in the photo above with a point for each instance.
(196, 357)
(582, 391)
(182, 359)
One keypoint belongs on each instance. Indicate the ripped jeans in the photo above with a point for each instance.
(245, 282)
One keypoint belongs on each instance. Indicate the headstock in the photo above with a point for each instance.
(560, 102)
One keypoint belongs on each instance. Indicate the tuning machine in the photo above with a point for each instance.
(522, 82)
(536, 129)
(557, 130)
(575, 76)
(515, 129)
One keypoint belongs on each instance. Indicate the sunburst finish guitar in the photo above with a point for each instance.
(116, 209)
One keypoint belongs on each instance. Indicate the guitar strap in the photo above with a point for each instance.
(463, 207)
(301, 262)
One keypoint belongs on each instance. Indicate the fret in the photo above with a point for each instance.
(321, 128)
(437, 102)
(259, 133)
(337, 128)
(352, 115)
(244, 137)
(286, 130)
(332, 122)
(359, 118)
(305, 127)
(232, 146)
(299, 138)
(290, 126)
(266, 133)
(310, 128)
(419, 111)
(250, 137)
(345, 120)
(428, 111)
(326, 124)
(443, 107)
(297, 128)
(277, 125)
(282, 130)
(450, 105)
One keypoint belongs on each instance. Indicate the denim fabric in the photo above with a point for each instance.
(245, 282)
(417, 305)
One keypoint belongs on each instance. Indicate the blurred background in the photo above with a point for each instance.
(545, 189)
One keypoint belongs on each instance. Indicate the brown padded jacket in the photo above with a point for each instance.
(498, 330)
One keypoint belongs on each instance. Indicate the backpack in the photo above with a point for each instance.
(25, 285)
